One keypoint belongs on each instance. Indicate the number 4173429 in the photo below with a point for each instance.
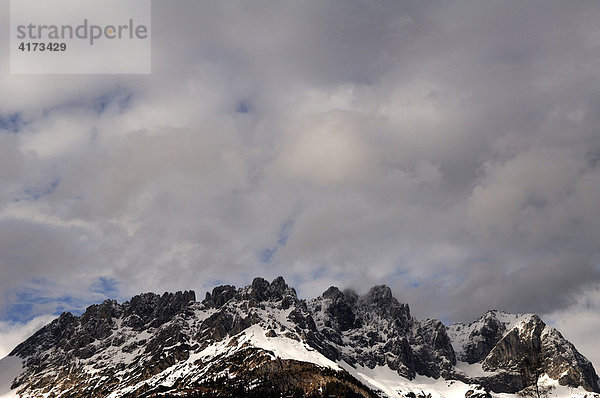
(42, 46)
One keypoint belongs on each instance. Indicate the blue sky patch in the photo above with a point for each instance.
(11, 123)
(31, 303)
(266, 255)
(105, 286)
(284, 232)
(39, 191)
(318, 272)
(118, 98)
(242, 107)
(34, 300)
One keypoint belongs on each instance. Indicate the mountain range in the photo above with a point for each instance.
(262, 340)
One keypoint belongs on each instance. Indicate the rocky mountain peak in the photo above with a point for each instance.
(531, 348)
(474, 341)
(380, 300)
(152, 309)
(333, 293)
(520, 346)
(561, 361)
(262, 291)
(379, 294)
(153, 343)
(518, 349)
(340, 315)
(220, 295)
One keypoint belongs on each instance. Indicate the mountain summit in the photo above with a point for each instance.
(262, 340)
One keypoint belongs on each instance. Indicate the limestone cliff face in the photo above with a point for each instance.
(483, 338)
(520, 348)
(532, 348)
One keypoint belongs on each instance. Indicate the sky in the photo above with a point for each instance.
(448, 149)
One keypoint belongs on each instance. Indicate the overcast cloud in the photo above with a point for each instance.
(448, 149)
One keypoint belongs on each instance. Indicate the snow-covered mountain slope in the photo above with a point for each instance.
(389, 384)
(261, 339)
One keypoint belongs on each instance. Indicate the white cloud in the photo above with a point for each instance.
(325, 149)
(11, 334)
(579, 323)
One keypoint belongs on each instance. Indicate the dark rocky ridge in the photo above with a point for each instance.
(127, 344)
(376, 330)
